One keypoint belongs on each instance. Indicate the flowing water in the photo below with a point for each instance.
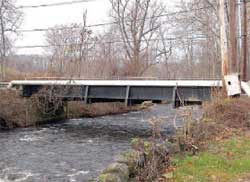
(74, 150)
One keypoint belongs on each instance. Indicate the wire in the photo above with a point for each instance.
(54, 4)
(63, 28)
(200, 37)
(70, 3)
(100, 24)
(112, 23)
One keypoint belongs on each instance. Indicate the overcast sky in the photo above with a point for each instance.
(45, 17)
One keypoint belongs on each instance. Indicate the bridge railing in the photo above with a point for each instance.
(87, 78)
(115, 78)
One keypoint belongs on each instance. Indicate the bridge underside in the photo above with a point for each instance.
(127, 94)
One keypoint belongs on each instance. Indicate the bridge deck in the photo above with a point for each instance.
(129, 91)
(191, 83)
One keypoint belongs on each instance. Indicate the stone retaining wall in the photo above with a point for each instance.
(124, 166)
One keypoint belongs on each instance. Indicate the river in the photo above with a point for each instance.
(74, 150)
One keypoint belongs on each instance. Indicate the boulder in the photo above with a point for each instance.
(118, 168)
(129, 159)
(116, 172)
(146, 104)
(111, 177)
(122, 159)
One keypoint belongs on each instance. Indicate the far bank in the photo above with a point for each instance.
(17, 111)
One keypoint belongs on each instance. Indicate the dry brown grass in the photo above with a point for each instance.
(78, 109)
(231, 112)
(12, 108)
(223, 117)
(13, 74)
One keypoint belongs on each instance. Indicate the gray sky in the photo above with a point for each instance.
(50, 16)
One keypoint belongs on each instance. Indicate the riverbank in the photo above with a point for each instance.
(80, 110)
(17, 111)
(13, 110)
(213, 148)
(222, 138)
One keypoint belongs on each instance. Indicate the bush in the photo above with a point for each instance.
(231, 112)
(13, 109)
(152, 154)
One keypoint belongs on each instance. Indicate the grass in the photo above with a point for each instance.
(223, 161)
(225, 140)
(223, 137)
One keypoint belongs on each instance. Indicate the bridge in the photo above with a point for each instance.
(127, 91)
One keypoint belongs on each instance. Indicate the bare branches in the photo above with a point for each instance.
(70, 58)
(142, 40)
(204, 22)
(138, 22)
(10, 20)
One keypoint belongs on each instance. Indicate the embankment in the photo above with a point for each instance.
(212, 148)
(80, 110)
(16, 111)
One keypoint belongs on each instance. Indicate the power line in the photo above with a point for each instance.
(200, 37)
(64, 28)
(65, 3)
(54, 4)
(112, 23)
(97, 25)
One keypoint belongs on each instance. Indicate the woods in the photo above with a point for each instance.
(143, 38)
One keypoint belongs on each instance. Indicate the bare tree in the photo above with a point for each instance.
(62, 42)
(86, 43)
(69, 47)
(138, 22)
(10, 20)
(108, 54)
(198, 30)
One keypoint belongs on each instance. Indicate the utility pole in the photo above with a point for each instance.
(239, 36)
(232, 35)
(224, 49)
(244, 41)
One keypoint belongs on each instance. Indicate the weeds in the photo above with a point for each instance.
(224, 151)
(153, 154)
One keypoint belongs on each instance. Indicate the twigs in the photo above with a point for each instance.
(49, 100)
(153, 154)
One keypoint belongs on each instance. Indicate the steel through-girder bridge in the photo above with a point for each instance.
(127, 91)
